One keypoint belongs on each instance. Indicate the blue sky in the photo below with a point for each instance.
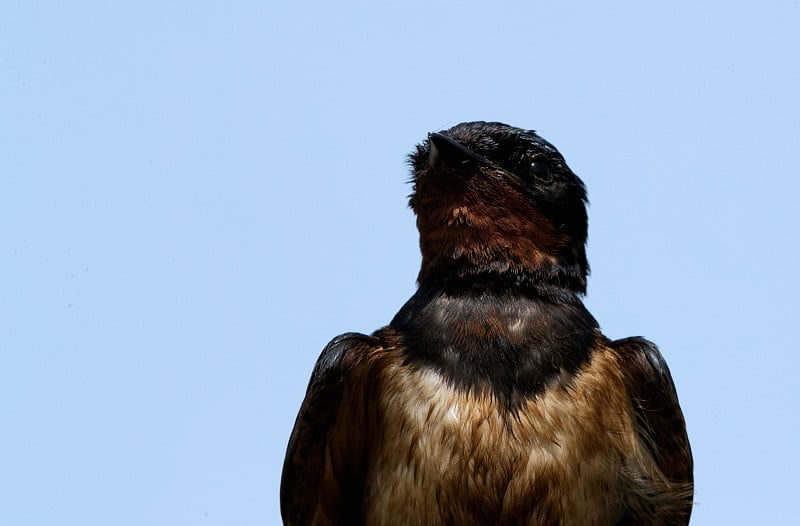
(196, 197)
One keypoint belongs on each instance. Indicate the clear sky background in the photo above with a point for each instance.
(196, 197)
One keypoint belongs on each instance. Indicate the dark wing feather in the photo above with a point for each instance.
(322, 470)
(660, 426)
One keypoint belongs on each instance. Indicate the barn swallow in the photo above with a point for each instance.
(492, 397)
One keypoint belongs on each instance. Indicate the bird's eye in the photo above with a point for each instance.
(540, 169)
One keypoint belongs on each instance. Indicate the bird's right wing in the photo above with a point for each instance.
(323, 471)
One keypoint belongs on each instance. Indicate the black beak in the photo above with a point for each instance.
(446, 150)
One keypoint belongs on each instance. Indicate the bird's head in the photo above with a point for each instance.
(498, 203)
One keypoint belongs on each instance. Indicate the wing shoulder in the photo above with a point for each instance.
(321, 468)
(660, 425)
(655, 403)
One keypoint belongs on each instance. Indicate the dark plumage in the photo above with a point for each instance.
(492, 397)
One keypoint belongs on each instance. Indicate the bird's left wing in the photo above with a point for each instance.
(323, 470)
(662, 430)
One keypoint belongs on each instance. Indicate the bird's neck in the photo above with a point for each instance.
(467, 281)
(533, 275)
(514, 254)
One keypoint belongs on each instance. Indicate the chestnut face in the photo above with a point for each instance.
(491, 198)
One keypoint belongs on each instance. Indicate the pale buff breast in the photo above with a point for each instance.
(457, 458)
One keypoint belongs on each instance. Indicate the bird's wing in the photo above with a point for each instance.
(323, 471)
(659, 420)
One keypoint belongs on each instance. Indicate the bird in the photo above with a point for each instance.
(492, 396)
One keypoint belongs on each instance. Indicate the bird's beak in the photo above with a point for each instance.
(446, 150)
